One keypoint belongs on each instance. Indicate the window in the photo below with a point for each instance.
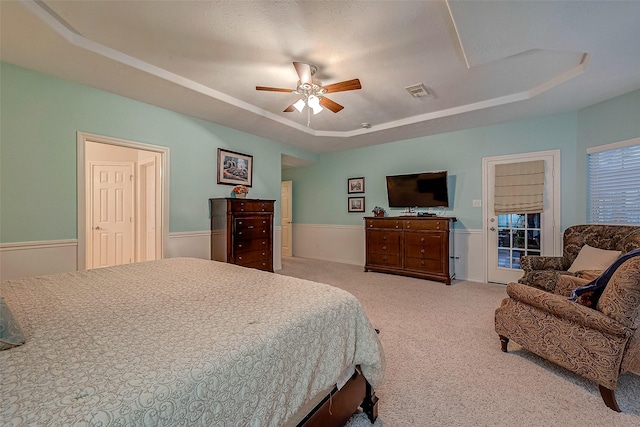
(613, 183)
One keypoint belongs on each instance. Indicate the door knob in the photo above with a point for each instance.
(492, 228)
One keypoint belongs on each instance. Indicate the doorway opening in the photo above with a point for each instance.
(123, 201)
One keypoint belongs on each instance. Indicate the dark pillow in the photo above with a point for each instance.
(10, 333)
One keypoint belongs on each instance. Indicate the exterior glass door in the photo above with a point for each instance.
(518, 235)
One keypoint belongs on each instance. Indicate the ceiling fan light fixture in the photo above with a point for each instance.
(299, 105)
(314, 103)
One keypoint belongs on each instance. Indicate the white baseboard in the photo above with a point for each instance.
(346, 244)
(37, 258)
(193, 244)
(468, 255)
(338, 243)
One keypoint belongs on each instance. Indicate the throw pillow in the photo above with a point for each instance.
(591, 258)
(10, 333)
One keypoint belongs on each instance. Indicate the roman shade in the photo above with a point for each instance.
(519, 187)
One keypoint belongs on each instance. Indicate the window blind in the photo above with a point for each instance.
(519, 187)
(613, 193)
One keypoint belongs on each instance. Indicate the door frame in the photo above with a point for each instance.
(290, 225)
(81, 140)
(486, 209)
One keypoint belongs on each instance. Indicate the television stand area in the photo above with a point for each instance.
(417, 246)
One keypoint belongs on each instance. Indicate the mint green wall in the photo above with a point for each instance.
(614, 120)
(320, 191)
(39, 117)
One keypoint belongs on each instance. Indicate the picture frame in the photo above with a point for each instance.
(355, 185)
(356, 204)
(234, 168)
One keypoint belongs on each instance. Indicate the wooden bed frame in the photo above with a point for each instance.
(340, 405)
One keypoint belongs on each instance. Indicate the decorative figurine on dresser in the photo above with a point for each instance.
(242, 232)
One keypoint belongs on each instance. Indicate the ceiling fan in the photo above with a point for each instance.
(312, 92)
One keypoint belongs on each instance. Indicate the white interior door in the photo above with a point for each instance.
(510, 236)
(112, 214)
(149, 249)
(286, 191)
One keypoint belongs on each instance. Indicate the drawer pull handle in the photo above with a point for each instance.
(240, 245)
(384, 237)
(384, 248)
(239, 257)
(239, 232)
(250, 227)
(263, 254)
(422, 240)
(422, 251)
(421, 262)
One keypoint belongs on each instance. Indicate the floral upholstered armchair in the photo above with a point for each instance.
(597, 343)
(543, 271)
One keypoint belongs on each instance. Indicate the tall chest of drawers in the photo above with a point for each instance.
(411, 246)
(242, 232)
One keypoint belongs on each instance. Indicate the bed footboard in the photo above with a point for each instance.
(340, 405)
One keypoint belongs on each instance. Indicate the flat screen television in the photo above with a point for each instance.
(422, 190)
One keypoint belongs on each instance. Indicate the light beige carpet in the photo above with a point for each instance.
(444, 363)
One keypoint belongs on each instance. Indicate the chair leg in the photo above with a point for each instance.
(609, 398)
(504, 342)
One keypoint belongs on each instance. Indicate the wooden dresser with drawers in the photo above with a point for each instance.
(242, 232)
(411, 246)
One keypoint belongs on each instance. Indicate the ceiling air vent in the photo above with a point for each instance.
(418, 91)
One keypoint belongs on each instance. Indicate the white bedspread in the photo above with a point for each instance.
(177, 342)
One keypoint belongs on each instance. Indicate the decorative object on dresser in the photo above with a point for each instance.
(242, 232)
(417, 246)
(234, 168)
(378, 212)
(240, 191)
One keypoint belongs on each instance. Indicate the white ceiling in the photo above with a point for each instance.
(484, 62)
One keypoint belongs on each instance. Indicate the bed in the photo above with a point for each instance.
(181, 342)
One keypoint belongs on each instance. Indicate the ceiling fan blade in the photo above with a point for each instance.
(274, 89)
(289, 109)
(304, 72)
(331, 105)
(342, 86)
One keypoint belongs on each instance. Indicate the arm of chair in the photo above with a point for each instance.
(530, 262)
(559, 306)
(566, 284)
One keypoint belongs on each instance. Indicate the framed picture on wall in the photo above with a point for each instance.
(356, 204)
(355, 185)
(234, 168)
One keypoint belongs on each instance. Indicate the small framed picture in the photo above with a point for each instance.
(355, 185)
(234, 168)
(356, 204)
